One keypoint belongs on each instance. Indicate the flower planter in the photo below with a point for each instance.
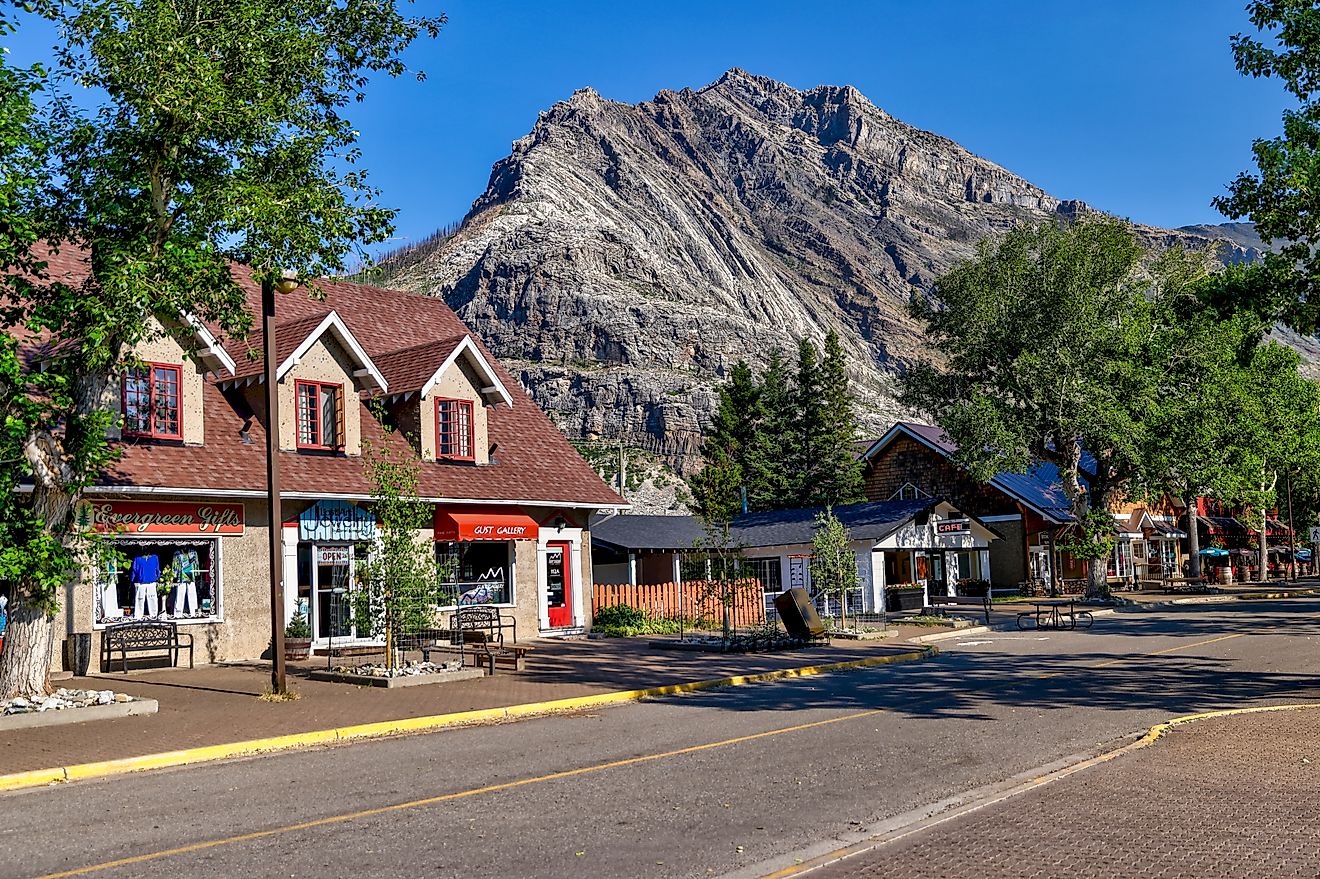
(900, 600)
(297, 648)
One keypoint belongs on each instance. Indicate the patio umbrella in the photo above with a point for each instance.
(1303, 555)
(1214, 551)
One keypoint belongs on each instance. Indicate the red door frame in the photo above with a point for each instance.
(562, 616)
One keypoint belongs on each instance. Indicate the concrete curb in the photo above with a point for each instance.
(90, 714)
(903, 826)
(432, 723)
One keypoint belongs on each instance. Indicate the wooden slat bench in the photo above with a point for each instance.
(486, 652)
(156, 636)
(941, 603)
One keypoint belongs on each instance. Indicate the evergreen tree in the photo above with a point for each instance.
(717, 489)
(838, 476)
(765, 466)
(808, 427)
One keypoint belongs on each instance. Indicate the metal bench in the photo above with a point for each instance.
(156, 636)
(941, 603)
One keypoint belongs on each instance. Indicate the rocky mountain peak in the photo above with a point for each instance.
(624, 256)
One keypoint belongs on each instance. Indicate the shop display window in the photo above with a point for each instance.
(479, 571)
(169, 579)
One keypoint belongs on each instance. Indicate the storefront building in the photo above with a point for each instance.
(922, 546)
(364, 372)
(1028, 510)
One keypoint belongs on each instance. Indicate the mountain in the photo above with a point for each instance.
(1243, 235)
(625, 256)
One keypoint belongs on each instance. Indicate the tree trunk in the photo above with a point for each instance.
(1264, 555)
(1097, 582)
(25, 659)
(1193, 539)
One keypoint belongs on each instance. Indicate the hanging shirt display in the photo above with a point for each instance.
(145, 573)
(184, 569)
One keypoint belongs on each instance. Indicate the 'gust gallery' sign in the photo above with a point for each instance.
(165, 517)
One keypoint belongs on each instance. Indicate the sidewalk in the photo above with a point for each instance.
(218, 704)
(1227, 796)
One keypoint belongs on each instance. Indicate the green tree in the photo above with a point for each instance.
(401, 585)
(769, 485)
(1056, 343)
(807, 436)
(1282, 197)
(218, 137)
(833, 562)
(734, 431)
(838, 471)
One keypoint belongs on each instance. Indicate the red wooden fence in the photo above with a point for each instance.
(684, 599)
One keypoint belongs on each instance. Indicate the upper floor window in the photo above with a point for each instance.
(151, 401)
(320, 415)
(453, 429)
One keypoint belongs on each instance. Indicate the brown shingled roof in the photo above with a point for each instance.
(534, 462)
(411, 368)
(289, 334)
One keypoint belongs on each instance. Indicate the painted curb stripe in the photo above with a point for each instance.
(294, 741)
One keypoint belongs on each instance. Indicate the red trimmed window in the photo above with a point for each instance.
(453, 429)
(320, 415)
(151, 401)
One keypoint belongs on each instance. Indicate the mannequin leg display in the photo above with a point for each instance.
(110, 608)
(185, 598)
(145, 600)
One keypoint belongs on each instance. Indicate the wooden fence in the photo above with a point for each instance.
(684, 599)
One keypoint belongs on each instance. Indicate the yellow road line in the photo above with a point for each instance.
(1173, 649)
(430, 723)
(571, 773)
(429, 801)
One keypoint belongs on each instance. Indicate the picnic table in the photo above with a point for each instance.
(1054, 614)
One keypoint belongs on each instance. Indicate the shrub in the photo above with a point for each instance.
(625, 621)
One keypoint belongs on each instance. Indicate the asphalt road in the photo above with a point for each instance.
(697, 785)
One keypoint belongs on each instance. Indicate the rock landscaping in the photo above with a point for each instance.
(375, 674)
(62, 700)
(71, 706)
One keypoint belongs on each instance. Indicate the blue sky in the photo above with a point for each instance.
(1133, 107)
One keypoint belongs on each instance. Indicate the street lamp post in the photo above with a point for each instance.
(275, 524)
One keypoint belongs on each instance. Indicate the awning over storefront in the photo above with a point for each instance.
(1165, 530)
(484, 526)
(1224, 525)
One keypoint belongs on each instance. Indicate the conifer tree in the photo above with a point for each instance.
(838, 473)
(807, 428)
(765, 466)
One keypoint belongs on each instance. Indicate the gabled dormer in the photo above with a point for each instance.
(161, 397)
(441, 394)
(322, 372)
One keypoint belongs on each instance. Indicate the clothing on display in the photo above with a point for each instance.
(184, 567)
(145, 573)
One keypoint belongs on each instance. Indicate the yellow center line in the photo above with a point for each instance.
(553, 776)
(428, 801)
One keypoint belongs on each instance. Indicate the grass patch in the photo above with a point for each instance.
(1008, 599)
(286, 696)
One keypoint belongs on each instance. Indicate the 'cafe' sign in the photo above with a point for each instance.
(164, 517)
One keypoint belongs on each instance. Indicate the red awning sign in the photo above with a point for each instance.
(484, 526)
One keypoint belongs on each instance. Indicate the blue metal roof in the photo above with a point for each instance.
(1039, 488)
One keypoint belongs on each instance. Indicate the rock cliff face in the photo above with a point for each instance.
(623, 257)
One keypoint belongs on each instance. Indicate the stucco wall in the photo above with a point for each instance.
(459, 382)
(325, 361)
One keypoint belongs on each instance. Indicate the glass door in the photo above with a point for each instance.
(333, 588)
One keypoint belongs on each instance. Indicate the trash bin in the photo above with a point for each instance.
(78, 653)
